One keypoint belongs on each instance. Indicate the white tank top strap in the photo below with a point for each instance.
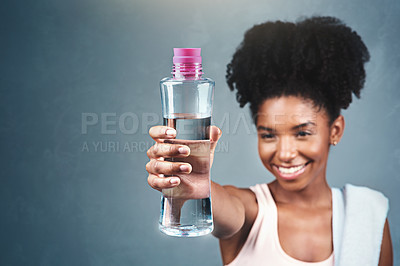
(265, 201)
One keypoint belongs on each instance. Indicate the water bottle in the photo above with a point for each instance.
(187, 99)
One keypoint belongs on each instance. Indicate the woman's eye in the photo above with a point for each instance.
(267, 136)
(302, 133)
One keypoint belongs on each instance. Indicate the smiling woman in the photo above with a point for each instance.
(296, 78)
(296, 150)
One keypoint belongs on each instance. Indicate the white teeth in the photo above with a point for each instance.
(290, 170)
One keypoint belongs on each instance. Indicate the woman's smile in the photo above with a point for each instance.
(290, 172)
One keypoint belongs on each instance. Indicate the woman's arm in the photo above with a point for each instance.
(386, 257)
(228, 212)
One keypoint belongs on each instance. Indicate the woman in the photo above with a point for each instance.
(296, 78)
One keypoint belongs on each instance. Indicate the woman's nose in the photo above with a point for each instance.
(286, 149)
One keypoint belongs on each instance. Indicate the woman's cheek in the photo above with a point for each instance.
(265, 152)
(315, 150)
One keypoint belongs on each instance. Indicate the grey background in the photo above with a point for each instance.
(64, 204)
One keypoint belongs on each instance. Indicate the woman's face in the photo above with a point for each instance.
(293, 141)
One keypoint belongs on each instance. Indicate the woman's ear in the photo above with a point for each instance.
(337, 129)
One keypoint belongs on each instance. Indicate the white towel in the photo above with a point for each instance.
(359, 215)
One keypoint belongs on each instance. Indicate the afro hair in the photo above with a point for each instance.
(319, 59)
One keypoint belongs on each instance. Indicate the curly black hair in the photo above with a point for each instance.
(318, 58)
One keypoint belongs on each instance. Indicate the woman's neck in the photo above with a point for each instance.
(316, 194)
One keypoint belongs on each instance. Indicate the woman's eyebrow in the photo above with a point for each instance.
(303, 125)
(264, 128)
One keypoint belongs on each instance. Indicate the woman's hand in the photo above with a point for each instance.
(171, 163)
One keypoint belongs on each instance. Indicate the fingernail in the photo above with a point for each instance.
(174, 181)
(170, 132)
(183, 150)
(184, 168)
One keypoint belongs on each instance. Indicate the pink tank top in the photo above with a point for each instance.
(262, 246)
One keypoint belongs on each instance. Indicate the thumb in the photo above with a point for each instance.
(215, 135)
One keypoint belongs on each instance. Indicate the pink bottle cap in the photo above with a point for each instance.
(187, 55)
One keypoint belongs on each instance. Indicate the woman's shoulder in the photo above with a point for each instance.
(250, 195)
(249, 200)
(246, 195)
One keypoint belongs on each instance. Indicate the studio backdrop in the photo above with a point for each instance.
(79, 90)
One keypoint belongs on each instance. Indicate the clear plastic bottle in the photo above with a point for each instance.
(187, 99)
